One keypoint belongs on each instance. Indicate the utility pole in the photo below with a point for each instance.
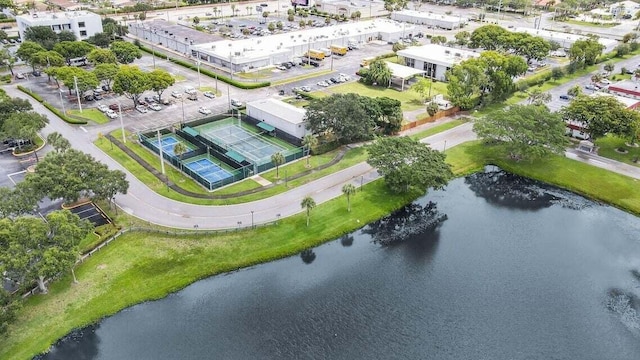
(160, 152)
(124, 138)
(198, 63)
(75, 83)
(62, 102)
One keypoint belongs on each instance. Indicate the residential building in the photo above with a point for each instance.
(82, 24)
(434, 59)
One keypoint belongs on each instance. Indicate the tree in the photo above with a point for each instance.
(423, 87)
(7, 59)
(17, 201)
(24, 125)
(379, 73)
(389, 117)
(625, 49)
(309, 141)
(438, 39)
(277, 159)
(348, 190)
(58, 142)
(557, 73)
(432, 108)
(196, 20)
(106, 73)
(125, 52)
(66, 35)
(407, 164)
(290, 18)
(8, 308)
(526, 131)
(102, 56)
(159, 81)
(533, 47)
(308, 204)
(575, 91)
(179, 149)
(339, 117)
(585, 52)
(465, 81)
(73, 49)
(12, 106)
(610, 67)
(265, 15)
(601, 115)
(271, 26)
(46, 59)
(42, 35)
(102, 39)
(110, 183)
(398, 46)
(72, 76)
(462, 38)
(596, 78)
(302, 23)
(489, 37)
(131, 82)
(539, 97)
(279, 25)
(40, 250)
(27, 49)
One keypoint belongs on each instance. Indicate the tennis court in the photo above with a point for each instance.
(253, 146)
(168, 143)
(208, 170)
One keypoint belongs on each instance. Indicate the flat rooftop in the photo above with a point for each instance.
(279, 108)
(438, 53)
(560, 36)
(164, 28)
(628, 102)
(48, 15)
(268, 45)
(426, 15)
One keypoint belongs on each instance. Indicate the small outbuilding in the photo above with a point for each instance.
(273, 114)
(401, 74)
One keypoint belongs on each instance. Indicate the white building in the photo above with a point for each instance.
(367, 8)
(81, 23)
(280, 115)
(247, 54)
(430, 19)
(564, 39)
(627, 88)
(434, 59)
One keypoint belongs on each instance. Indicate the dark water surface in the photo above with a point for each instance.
(495, 267)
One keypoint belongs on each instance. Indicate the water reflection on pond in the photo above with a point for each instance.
(494, 267)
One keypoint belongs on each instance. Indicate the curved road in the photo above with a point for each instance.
(150, 206)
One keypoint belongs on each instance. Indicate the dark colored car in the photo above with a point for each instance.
(106, 88)
(97, 96)
(114, 107)
(88, 98)
(565, 97)
(37, 73)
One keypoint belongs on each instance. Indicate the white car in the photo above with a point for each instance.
(323, 83)
(19, 76)
(189, 90)
(103, 108)
(176, 94)
(305, 88)
(344, 77)
(154, 107)
(605, 82)
(141, 109)
(209, 94)
(204, 110)
(111, 114)
(236, 103)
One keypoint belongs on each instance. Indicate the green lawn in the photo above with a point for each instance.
(438, 129)
(144, 266)
(410, 100)
(260, 74)
(94, 115)
(302, 77)
(608, 145)
(592, 24)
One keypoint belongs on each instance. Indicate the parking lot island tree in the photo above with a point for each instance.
(72, 76)
(584, 52)
(45, 59)
(160, 80)
(73, 49)
(126, 52)
(42, 35)
(407, 164)
(24, 126)
(38, 250)
(527, 131)
(58, 142)
(106, 73)
(102, 56)
(131, 82)
(27, 49)
(7, 59)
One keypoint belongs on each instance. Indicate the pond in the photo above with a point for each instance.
(493, 267)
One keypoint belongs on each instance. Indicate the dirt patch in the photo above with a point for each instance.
(101, 267)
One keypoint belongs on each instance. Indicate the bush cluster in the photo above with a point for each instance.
(51, 107)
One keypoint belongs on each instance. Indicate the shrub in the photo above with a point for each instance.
(557, 73)
(32, 94)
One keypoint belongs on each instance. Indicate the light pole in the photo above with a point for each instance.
(252, 219)
(62, 101)
(160, 152)
(199, 83)
(75, 83)
(124, 138)
(153, 54)
(182, 123)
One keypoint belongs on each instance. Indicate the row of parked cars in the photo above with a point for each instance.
(334, 80)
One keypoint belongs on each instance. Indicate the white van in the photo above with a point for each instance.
(190, 90)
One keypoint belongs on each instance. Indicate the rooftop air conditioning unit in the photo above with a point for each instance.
(458, 55)
(447, 52)
(237, 53)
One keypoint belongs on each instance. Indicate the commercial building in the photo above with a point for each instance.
(82, 24)
(280, 115)
(247, 54)
(577, 129)
(564, 39)
(628, 102)
(430, 19)
(367, 8)
(434, 59)
(627, 88)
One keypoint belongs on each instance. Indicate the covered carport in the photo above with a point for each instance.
(401, 74)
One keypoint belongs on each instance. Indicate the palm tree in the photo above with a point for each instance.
(637, 73)
(233, 9)
(348, 190)
(277, 159)
(59, 143)
(308, 203)
(265, 15)
(596, 78)
(309, 141)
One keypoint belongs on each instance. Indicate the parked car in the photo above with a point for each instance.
(106, 88)
(193, 97)
(605, 81)
(111, 114)
(322, 83)
(236, 103)
(141, 109)
(305, 88)
(280, 67)
(204, 110)
(102, 107)
(142, 102)
(154, 107)
(19, 76)
(97, 96)
(88, 98)
(176, 94)
(565, 97)
(345, 77)
(36, 73)
(209, 94)
(590, 87)
(334, 80)
(114, 107)
(189, 90)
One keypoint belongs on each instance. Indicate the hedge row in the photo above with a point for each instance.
(209, 73)
(51, 107)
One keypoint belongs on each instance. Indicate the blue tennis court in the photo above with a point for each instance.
(208, 170)
(168, 143)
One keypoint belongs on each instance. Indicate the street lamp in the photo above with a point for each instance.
(62, 101)
(198, 63)
(252, 219)
(124, 138)
(182, 123)
(75, 83)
